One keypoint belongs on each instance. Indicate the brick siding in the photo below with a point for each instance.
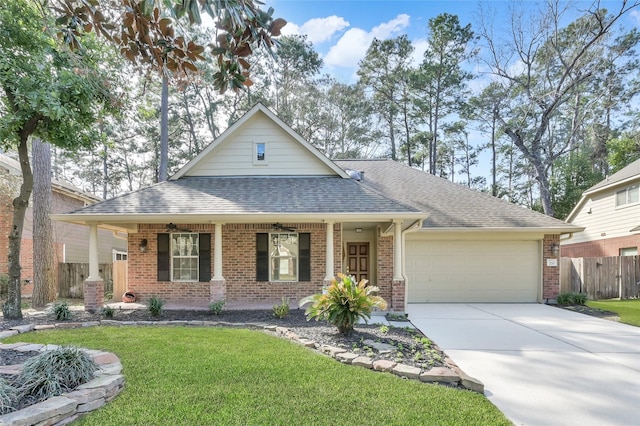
(239, 266)
(600, 248)
(550, 274)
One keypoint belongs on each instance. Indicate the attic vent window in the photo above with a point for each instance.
(260, 153)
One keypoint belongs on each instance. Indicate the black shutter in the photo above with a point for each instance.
(262, 257)
(304, 261)
(204, 261)
(164, 258)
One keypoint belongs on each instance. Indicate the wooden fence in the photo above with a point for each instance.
(72, 275)
(601, 277)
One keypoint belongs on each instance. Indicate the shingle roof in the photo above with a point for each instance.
(240, 195)
(449, 205)
(630, 171)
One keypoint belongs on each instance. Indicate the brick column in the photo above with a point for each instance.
(93, 295)
(217, 290)
(550, 273)
(397, 296)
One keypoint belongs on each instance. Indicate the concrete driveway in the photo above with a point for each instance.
(542, 365)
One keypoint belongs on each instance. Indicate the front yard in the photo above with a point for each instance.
(627, 310)
(226, 376)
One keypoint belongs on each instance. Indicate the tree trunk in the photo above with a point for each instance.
(164, 131)
(44, 283)
(12, 308)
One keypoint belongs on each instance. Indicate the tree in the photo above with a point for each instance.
(48, 92)
(44, 279)
(542, 67)
(384, 70)
(442, 78)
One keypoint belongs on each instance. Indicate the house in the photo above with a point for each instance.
(609, 212)
(70, 240)
(261, 214)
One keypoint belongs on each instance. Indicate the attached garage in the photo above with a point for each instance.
(472, 271)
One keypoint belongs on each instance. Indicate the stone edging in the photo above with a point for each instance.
(94, 394)
(67, 407)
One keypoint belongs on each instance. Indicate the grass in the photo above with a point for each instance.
(188, 376)
(627, 310)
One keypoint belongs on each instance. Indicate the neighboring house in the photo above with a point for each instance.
(610, 213)
(70, 240)
(261, 214)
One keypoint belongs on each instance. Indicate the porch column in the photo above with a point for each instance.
(94, 269)
(328, 275)
(93, 286)
(397, 250)
(218, 285)
(217, 253)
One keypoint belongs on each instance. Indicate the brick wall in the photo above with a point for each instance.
(550, 274)
(600, 248)
(385, 267)
(238, 265)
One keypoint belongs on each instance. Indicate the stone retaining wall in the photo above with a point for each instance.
(64, 409)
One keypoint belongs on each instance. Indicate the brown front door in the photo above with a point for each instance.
(358, 260)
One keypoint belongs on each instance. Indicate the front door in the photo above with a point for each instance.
(358, 260)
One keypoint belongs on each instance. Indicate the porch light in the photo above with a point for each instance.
(555, 249)
(143, 245)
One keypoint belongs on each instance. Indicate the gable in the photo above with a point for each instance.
(235, 152)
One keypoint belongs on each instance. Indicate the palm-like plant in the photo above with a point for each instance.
(344, 303)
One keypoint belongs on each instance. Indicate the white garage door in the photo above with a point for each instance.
(472, 271)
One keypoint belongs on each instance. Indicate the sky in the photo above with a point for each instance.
(341, 31)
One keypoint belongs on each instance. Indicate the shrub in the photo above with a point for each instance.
(281, 310)
(107, 311)
(60, 311)
(566, 299)
(155, 306)
(8, 397)
(53, 372)
(344, 303)
(216, 307)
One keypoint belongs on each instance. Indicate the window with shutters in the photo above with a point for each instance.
(283, 257)
(184, 257)
(283, 254)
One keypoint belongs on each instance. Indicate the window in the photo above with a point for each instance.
(629, 251)
(283, 256)
(184, 257)
(630, 195)
(119, 255)
(260, 153)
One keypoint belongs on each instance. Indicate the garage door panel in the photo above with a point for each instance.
(473, 271)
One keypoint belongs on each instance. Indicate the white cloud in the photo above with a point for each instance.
(419, 47)
(635, 16)
(353, 44)
(319, 30)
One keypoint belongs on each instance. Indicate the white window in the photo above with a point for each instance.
(260, 157)
(184, 257)
(629, 251)
(119, 255)
(283, 255)
(629, 195)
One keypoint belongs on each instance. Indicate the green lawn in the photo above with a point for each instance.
(627, 310)
(210, 376)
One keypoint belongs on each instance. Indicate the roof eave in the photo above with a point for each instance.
(129, 219)
(546, 230)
